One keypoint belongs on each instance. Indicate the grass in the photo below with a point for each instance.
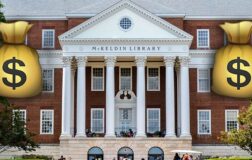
(232, 158)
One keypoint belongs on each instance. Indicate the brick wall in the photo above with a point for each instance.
(217, 104)
(43, 101)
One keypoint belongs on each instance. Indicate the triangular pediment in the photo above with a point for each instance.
(106, 25)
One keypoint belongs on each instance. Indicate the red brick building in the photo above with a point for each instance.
(114, 67)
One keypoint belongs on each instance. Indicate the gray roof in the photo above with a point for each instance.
(188, 8)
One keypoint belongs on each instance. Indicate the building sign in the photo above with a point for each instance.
(126, 48)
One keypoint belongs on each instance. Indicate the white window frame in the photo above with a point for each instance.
(237, 111)
(92, 89)
(209, 80)
(51, 110)
(52, 80)
(158, 79)
(210, 121)
(208, 34)
(93, 109)
(148, 109)
(120, 77)
(21, 110)
(43, 43)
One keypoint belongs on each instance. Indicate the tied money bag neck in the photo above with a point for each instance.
(20, 71)
(238, 33)
(232, 72)
(14, 33)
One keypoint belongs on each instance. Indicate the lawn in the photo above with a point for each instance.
(232, 158)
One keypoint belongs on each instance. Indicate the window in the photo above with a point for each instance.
(125, 78)
(225, 39)
(231, 120)
(156, 153)
(26, 39)
(204, 121)
(125, 23)
(48, 36)
(48, 79)
(97, 120)
(203, 38)
(153, 120)
(203, 80)
(95, 153)
(153, 79)
(97, 79)
(21, 113)
(46, 121)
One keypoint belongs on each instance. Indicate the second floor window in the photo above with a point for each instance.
(97, 79)
(48, 38)
(153, 79)
(203, 80)
(48, 79)
(125, 78)
(203, 39)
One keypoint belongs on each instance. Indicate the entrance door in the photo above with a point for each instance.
(125, 122)
(125, 153)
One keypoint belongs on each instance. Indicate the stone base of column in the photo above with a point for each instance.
(170, 135)
(81, 135)
(186, 135)
(110, 136)
(142, 135)
(65, 136)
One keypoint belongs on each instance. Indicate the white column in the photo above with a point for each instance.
(110, 96)
(140, 62)
(169, 96)
(81, 97)
(184, 92)
(66, 98)
(72, 100)
(178, 103)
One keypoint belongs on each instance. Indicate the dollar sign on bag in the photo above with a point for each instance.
(14, 72)
(238, 73)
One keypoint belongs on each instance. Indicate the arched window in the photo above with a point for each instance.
(125, 153)
(95, 153)
(156, 153)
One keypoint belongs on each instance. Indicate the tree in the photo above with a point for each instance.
(13, 131)
(243, 136)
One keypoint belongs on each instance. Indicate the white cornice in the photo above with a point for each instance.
(245, 17)
(201, 53)
(39, 17)
(49, 53)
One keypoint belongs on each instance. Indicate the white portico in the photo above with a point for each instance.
(115, 35)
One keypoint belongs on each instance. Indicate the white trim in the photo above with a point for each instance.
(209, 80)
(52, 91)
(97, 90)
(34, 17)
(148, 79)
(208, 34)
(50, 110)
(210, 121)
(216, 17)
(120, 77)
(43, 45)
(93, 109)
(21, 110)
(226, 110)
(148, 109)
